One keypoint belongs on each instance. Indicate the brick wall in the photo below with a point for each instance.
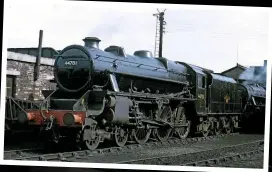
(24, 82)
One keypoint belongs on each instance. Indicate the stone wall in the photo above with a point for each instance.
(25, 86)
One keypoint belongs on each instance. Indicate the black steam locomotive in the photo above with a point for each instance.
(253, 116)
(112, 95)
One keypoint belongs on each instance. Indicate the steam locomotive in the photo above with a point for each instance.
(253, 116)
(110, 95)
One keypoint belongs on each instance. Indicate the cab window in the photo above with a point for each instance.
(201, 81)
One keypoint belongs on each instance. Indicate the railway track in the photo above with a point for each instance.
(201, 158)
(22, 152)
(251, 159)
(75, 155)
(226, 159)
(33, 150)
(176, 154)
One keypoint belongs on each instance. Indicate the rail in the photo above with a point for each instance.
(73, 156)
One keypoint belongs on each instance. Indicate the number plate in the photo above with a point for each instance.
(71, 63)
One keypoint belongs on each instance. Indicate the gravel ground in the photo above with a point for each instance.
(166, 151)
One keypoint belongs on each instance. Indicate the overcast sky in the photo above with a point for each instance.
(196, 35)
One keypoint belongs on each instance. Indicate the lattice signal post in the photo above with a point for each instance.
(160, 30)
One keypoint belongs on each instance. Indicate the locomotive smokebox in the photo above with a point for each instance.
(91, 42)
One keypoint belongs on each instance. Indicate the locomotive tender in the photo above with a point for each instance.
(112, 95)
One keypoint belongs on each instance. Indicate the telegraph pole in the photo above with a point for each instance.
(237, 54)
(160, 30)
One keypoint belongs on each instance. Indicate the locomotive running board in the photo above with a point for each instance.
(163, 123)
(148, 96)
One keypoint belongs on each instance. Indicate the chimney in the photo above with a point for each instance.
(265, 63)
(91, 42)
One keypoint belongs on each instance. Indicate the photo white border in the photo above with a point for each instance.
(125, 5)
(3, 82)
(268, 95)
